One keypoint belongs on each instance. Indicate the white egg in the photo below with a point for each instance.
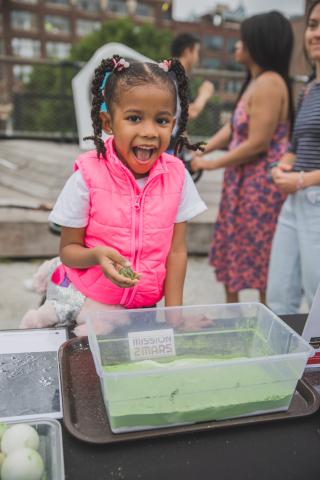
(18, 436)
(22, 464)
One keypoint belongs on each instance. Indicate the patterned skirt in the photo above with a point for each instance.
(249, 209)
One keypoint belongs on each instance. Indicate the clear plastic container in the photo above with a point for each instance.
(181, 365)
(50, 447)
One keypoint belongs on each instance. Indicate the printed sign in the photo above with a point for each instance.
(311, 331)
(151, 344)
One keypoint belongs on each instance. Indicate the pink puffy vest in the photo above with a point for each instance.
(137, 223)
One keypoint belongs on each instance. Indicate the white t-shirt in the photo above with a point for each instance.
(72, 206)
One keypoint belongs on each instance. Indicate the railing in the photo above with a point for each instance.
(36, 99)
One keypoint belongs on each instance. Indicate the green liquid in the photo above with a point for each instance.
(152, 396)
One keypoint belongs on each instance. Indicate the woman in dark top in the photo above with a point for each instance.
(295, 258)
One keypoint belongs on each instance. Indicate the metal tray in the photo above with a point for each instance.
(85, 417)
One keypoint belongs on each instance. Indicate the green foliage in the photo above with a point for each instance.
(146, 39)
(46, 103)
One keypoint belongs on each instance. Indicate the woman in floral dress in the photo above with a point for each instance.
(257, 137)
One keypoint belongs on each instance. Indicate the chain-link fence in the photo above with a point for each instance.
(36, 100)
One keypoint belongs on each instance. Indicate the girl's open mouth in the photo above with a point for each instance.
(143, 154)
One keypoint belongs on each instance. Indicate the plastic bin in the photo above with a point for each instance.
(50, 447)
(181, 365)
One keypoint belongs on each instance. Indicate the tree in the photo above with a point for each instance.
(145, 38)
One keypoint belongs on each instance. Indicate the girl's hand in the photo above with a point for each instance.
(285, 181)
(197, 162)
(111, 263)
(176, 320)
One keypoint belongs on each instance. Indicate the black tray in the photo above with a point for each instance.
(85, 417)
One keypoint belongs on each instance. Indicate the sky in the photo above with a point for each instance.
(184, 8)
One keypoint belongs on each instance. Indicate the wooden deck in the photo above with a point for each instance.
(32, 174)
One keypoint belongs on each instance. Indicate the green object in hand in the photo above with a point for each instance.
(127, 272)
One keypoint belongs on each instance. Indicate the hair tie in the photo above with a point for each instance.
(118, 66)
(165, 65)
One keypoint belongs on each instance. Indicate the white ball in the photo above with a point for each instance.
(18, 436)
(22, 464)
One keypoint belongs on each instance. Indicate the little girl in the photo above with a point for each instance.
(127, 203)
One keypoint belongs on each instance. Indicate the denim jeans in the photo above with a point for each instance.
(294, 266)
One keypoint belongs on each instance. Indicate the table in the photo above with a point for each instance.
(274, 451)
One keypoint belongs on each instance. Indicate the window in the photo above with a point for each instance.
(26, 47)
(144, 10)
(214, 63)
(22, 72)
(234, 66)
(55, 24)
(88, 5)
(213, 42)
(58, 49)
(166, 9)
(21, 20)
(59, 3)
(86, 26)
(1, 47)
(118, 6)
(29, 2)
(233, 86)
(231, 44)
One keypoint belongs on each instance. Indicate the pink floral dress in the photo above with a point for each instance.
(249, 209)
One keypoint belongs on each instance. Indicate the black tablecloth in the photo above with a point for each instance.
(274, 451)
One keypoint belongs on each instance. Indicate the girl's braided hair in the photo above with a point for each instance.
(138, 74)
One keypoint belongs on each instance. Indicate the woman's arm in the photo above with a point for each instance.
(176, 266)
(266, 102)
(74, 254)
(220, 140)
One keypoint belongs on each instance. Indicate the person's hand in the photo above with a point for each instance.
(206, 89)
(176, 319)
(281, 167)
(111, 263)
(197, 162)
(285, 167)
(197, 323)
(286, 181)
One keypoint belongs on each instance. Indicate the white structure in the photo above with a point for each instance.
(81, 85)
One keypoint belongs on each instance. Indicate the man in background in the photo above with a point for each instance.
(186, 48)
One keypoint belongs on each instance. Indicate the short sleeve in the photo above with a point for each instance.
(72, 206)
(191, 204)
(293, 144)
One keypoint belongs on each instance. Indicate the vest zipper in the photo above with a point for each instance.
(137, 205)
(130, 292)
(138, 236)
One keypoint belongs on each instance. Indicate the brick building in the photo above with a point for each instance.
(40, 30)
(43, 29)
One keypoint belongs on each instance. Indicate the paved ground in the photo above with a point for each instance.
(200, 288)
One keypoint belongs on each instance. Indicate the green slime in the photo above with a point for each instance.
(195, 387)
